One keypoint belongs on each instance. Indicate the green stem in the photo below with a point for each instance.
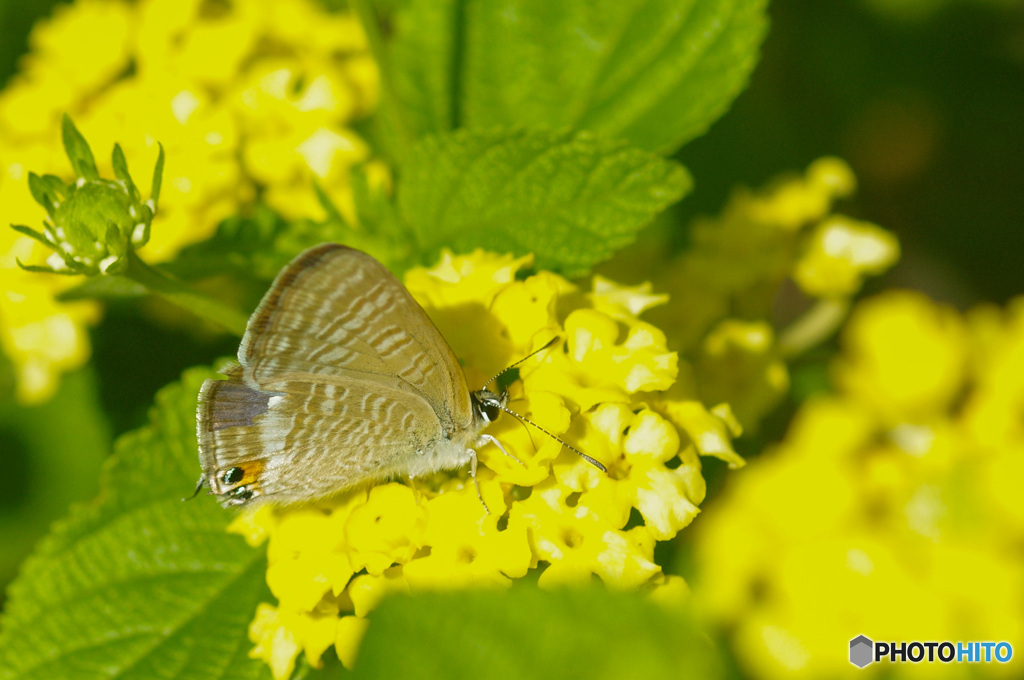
(392, 109)
(814, 327)
(175, 292)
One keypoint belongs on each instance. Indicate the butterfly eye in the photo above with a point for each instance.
(232, 476)
(486, 405)
(490, 409)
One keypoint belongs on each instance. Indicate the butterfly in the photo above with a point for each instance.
(342, 379)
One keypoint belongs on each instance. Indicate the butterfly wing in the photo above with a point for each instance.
(337, 311)
(342, 378)
(302, 436)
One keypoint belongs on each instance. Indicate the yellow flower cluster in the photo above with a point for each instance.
(726, 286)
(892, 508)
(329, 564)
(251, 97)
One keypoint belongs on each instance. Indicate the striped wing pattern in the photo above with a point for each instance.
(342, 378)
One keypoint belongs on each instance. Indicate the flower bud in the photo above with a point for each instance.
(93, 222)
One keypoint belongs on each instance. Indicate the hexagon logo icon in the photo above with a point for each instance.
(861, 651)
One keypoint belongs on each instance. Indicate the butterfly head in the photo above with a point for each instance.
(487, 405)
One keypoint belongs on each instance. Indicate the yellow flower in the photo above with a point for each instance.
(275, 644)
(467, 548)
(738, 259)
(906, 355)
(250, 95)
(303, 567)
(578, 543)
(729, 282)
(666, 498)
(840, 252)
(387, 528)
(280, 635)
(891, 509)
(40, 336)
(555, 514)
(742, 357)
(350, 632)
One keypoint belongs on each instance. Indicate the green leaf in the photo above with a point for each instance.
(8, 389)
(654, 72)
(571, 198)
(332, 211)
(526, 632)
(255, 247)
(423, 62)
(252, 247)
(33, 234)
(121, 172)
(158, 176)
(48, 191)
(120, 164)
(139, 584)
(42, 269)
(78, 151)
(46, 467)
(378, 230)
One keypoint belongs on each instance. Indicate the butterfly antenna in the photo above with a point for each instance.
(533, 353)
(523, 424)
(561, 441)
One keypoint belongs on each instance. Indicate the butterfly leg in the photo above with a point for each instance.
(415, 490)
(476, 482)
(489, 439)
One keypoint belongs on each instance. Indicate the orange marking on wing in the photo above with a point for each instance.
(251, 472)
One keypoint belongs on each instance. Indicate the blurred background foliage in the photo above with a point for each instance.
(922, 97)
